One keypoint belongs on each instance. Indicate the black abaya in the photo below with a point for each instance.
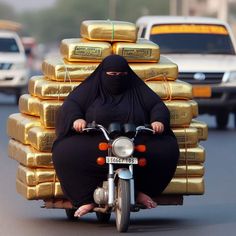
(104, 99)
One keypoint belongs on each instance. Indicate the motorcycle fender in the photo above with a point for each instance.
(124, 173)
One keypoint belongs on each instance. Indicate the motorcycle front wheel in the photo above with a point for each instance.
(122, 210)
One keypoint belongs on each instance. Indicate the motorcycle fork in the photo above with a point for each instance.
(111, 184)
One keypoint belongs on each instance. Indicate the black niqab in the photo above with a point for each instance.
(103, 99)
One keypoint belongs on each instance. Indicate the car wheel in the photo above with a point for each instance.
(222, 119)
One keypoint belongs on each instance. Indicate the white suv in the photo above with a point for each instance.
(204, 50)
(14, 72)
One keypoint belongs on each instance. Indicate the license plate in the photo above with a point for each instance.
(202, 91)
(118, 160)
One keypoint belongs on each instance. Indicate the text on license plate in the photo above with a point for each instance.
(118, 160)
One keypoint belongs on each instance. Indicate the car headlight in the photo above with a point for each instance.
(122, 147)
(229, 76)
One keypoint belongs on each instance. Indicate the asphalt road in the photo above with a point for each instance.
(211, 214)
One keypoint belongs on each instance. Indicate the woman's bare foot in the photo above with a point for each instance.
(84, 209)
(145, 200)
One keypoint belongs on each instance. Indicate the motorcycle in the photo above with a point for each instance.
(117, 192)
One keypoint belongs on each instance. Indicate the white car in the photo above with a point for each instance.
(14, 71)
(204, 50)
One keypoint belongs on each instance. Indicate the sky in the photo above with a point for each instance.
(22, 5)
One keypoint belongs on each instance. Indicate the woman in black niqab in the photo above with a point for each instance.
(112, 93)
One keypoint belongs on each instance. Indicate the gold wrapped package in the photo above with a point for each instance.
(181, 112)
(45, 109)
(32, 177)
(189, 171)
(194, 106)
(45, 89)
(186, 186)
(142, 51)
(41, 139)
(35, 176)
(106, 30)
(171, 90)
(186, 137)
(28, 156)
(193, 155)
(79, 49)
(48, 112)
(29, 105)
(163, 70)
(18, 126)
(40, 191)
(193, 186)
(201, 128)
(61, 70)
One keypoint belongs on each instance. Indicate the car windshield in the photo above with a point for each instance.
(198, 41)
(8, 45)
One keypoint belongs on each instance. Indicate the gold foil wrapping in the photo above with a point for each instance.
(28, 156)
(45, 109)
(101, 30)
(186, 137)
(18, 126)
(189, 171)
(194, 106)
(201, 128)
(28, 130)
(41, 139)
(163, 70)
(193, 185)
(194, 155)
(64, 71)
(45, 89)
(35, 176)
(180, 112)
(142, 51)
(32, 177)
(48, 112)
(78, 49)
(171, 90)
(29, 105)
(40, 191)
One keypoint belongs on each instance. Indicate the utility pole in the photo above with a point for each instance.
(112, 9)
(179, 7)
(223, 10)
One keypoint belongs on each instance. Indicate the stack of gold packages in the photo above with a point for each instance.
(32, 131)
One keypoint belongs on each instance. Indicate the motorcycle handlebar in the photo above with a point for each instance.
(94, 126)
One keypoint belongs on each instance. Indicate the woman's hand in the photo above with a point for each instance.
(158, 127)
(79, 125)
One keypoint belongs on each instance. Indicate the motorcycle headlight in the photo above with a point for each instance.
(122, 147)
(229, 76)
